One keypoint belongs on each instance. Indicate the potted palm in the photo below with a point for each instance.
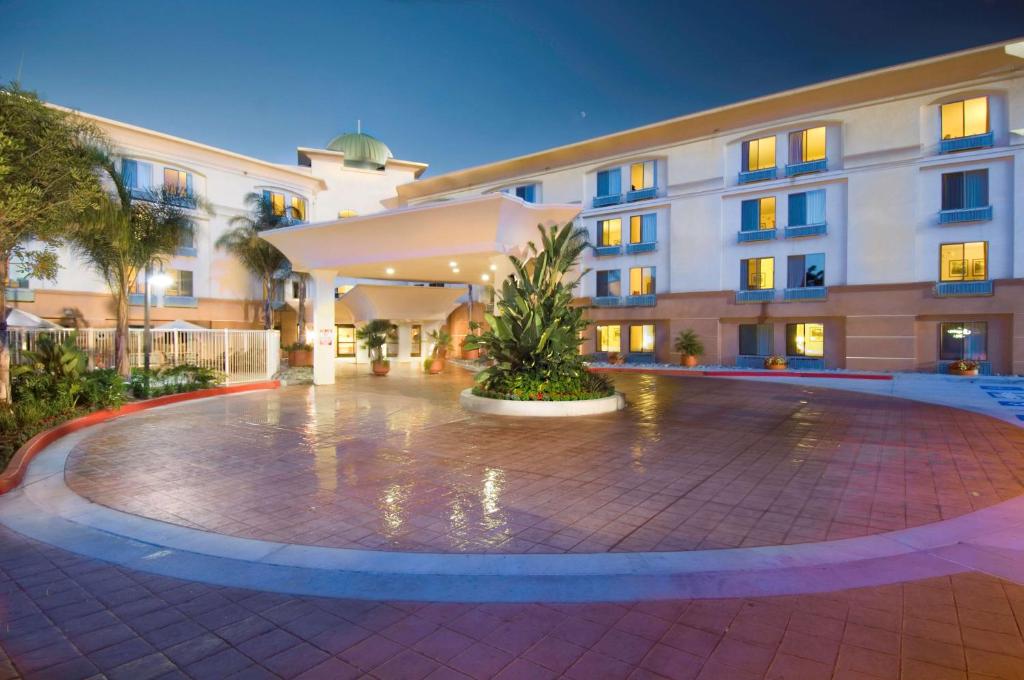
(474, 352)
(299, 354)
(776, 362)
(375, 336)
(689, 347)
(964, 367)
(442, 340)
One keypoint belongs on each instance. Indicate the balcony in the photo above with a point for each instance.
(794, 169)
(758, 235)
(982, 214)
(602, 201)
(606, 301)
(967, 143)
(639, 300)
(963, 288)
(154, 194)
(635, 248)
(20, 295)
(187, 251)
(180, 301)
(805, 293)
(605, 251)
(760, 295)
(802, 230)
(641, 194)
(747, 176)
(138, 299)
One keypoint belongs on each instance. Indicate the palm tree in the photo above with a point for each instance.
(125, 233)
(263, 260)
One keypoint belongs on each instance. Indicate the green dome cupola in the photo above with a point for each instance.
(361, 150)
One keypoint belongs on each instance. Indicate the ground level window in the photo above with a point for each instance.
(963, 340)
(346, 340)
(756, 339)
(416, 347)
(641, 338)
(609, 338)
(805, 339)
(393, 341)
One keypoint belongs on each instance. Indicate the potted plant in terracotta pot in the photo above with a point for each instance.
(442, 340)
(689, 347)
(299, 354)
(474, 326)
(375, 336)
(776, 362)
(964, 367)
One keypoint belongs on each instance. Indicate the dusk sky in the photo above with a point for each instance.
(455, 84)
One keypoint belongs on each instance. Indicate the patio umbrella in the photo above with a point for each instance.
(19, 318)
(179, 325)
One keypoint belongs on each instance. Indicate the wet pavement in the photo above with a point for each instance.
(394, 464)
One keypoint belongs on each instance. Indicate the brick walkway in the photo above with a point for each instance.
(394, 464)
(66, 617)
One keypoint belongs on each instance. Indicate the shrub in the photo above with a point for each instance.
(963, 365)
(103, 388)
(688, 343)
(298, 347)
(776, 360)
(173, 380)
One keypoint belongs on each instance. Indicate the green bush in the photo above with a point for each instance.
(298, 347)
(103, 389)
(173, 380)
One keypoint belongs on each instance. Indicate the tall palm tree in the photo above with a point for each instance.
(263, 260)
(124, 234)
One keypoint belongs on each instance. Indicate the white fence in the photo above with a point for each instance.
(241, 355)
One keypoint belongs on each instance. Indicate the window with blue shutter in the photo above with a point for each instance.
(609, 182)
(751, 211)
(129, 172)
(649, 228)
(807, 208)
(797, 210)
(962, 190)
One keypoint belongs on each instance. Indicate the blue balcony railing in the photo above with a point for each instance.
(606, 301)
(180, 301)
(634, 248)
(761, 295)
(154, 194)
(755, 235)
(639, 301)
(794, 169)
(981, 214)
(605, 251)
(963, 288)
(747, 176)
(21, 295)
(187, 251)
(967, 143)
(805, 293)
(601, 201)
(641, 194)
(138, 299)
(801, 230)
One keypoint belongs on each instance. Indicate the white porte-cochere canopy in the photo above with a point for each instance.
(458, 241)
(419, 243)
(413, 303)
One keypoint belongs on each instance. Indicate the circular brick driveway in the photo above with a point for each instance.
(693, 463)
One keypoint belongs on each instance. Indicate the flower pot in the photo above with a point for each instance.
(300, 357)
(436, 366)
(970, 371)
(381, 367)
(776, 367)
(688, 360)
(470, 353)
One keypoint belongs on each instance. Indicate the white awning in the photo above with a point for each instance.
(178, 325)
(19, 318)
(421, 242)
(401, 303)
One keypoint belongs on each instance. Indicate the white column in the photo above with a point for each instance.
(324, 350)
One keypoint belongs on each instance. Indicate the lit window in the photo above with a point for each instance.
(136, 174)
(758, 213)
(177, 182)
(807, 145)
(963, 261)
(393, 341)
(806, 271)
(609, 232)
(298, 208)
(609, 283)
(805, 339)
(757, 273)
(759, 154)
(965, 190)
(963, 340)
(180, 283)
(641, 338)
(342, 214)
(346, 340)
(416, 337)
(965, 118)
(643, 228)
(641, 175)
(609, 338)
(641, 281)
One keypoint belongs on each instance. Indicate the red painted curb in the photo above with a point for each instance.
(743, 374)
(18, 465)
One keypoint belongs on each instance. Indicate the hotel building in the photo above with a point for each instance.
(874, 222)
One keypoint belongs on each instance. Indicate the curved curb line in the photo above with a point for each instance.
(18, 465)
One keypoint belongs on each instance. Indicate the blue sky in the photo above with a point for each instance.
(459, 83)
